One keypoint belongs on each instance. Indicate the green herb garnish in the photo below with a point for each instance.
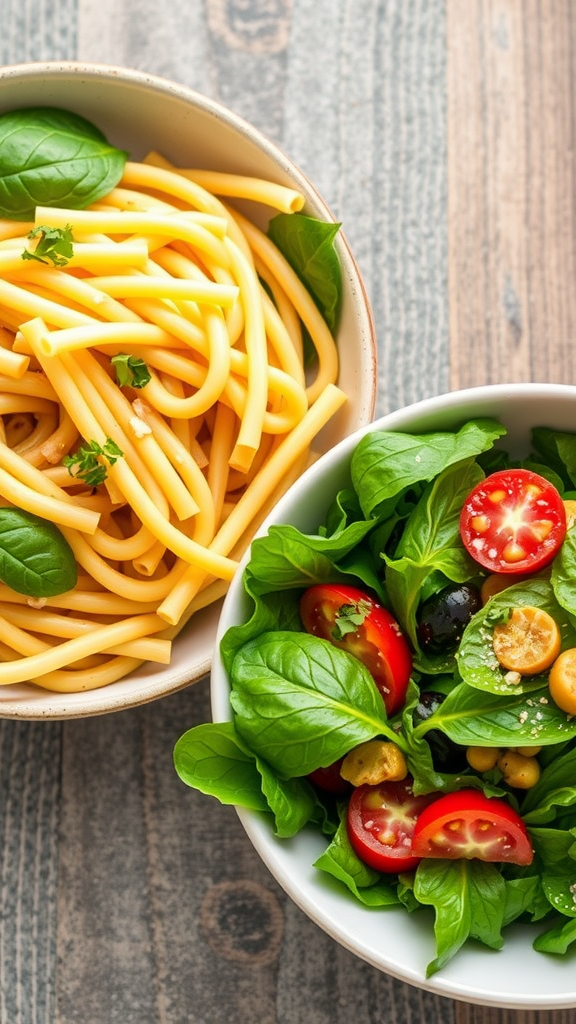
(89, 458)
(54, 245)
(130, 370)
(349, 618)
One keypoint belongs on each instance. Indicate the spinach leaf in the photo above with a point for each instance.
(557, 939)
(522, 897)
(477, 662)
(278, 611)
(213, 759)
(53, 157)
(469, 900)
(367, 885)
(301, 703)
(555, 788)
(35, 557)
(558, 452)
(430, 544)
(286, 558)
(308, 245)
(425, 775)
(563, 574)
(473, 717)
(386, 463)
(556, 852)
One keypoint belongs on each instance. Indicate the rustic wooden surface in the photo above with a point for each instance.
(441, 132)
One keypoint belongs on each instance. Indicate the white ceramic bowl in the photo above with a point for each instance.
(139, 113)
(393, 941)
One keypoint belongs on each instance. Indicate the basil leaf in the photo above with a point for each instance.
(35, 557)
(301, 703)
(53, 157)
(308, 246)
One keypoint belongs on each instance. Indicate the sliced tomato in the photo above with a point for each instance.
(513, 522)
(380, 825)
(354, 621)
(467, 825)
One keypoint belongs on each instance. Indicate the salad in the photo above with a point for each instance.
(406, 684)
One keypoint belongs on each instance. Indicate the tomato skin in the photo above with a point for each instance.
(377, 642)
(514, 521)
(330, 780)
(389, 810)
(469, 825)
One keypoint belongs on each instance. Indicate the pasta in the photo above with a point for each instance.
(167, 275)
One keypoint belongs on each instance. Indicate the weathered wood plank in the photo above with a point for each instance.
(29, 803)
(512, 219)
(467, 1014)
(34, 30)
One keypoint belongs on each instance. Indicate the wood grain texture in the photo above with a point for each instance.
(126, 897)
(466, 1014)
(511, 174)
(35, 30)
(29, 809)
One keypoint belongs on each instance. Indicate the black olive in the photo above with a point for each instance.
(428, 704)
(447, 755)
(444, 616)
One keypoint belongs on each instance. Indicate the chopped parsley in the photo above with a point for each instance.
(89, 461)
(349, 618)
(54, 245)
(130, 370)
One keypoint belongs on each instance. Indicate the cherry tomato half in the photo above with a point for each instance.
(467, 825)
(352, 620)
(380, 825)
(513, 522)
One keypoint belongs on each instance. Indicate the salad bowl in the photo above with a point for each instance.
(140, 113)
(401, 944)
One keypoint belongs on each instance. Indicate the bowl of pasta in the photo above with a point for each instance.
(394, 696)
(173, 292)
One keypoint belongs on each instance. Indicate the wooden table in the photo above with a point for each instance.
(442, 134)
